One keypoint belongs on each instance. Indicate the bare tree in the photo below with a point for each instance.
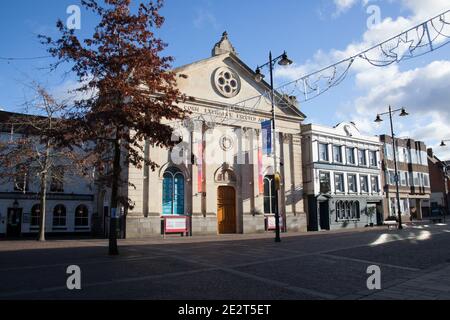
(33, 149)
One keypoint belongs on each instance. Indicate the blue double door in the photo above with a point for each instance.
(173, 192)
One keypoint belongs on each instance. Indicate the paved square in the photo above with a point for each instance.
(415, 264)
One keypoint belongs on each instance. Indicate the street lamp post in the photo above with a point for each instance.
(397, 178)
(446, 171)
(282, 60)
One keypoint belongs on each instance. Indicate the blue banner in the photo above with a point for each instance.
(266, 128)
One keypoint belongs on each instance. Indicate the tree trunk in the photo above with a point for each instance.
(43, 194)
(113, 249)
(43, 205)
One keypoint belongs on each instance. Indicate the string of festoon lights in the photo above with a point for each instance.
(417, 41)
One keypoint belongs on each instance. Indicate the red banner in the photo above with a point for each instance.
(200, 167)
(260, 171)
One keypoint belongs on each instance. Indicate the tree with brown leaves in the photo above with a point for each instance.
(130, 86)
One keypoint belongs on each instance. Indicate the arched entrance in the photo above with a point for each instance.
(226, 210)
(173, 192)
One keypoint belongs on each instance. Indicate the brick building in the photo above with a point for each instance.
(440, 184)
(414, 177)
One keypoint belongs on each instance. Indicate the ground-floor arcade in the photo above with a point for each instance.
(331, 212)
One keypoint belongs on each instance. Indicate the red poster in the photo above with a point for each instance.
(200, 167)
(176, 224)
(260, 171)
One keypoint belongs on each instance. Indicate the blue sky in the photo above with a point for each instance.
(301, 27)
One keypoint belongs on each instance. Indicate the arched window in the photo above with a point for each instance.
(81, 216)
(348, 210)
(269, 195)
(340, 210)
(356, 213)
(59, 216)
(173, 192)
(35, 215)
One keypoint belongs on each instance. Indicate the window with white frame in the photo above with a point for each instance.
(391, 177)
(35, 215)
(350, 154)
(401, 156)
(405, 205)
(388, 151)
(81, 216)
(337, 154)
(352, 183)
(347, 210)
(419, 156)
(373, 159)
(339, 182)
(325, 183)
(364, 183)
(416, 179)
(403, 177)
(424, 158)
(362, 157)
(355, 211)
(393, 206)
(340, 210)
(59, 216)
(323, 152)
(405, 155)
(375, 184)
(426, 180)
(414, 157)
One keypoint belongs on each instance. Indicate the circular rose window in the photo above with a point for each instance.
(227, 82)
(226, 143)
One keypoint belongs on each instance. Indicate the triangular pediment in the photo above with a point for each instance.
(224, 79)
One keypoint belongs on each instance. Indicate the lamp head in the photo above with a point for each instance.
(259, 77)
(378, 119)
(404, 113)
(285, 61)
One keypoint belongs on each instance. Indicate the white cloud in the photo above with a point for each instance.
(343, 5)
(205, 18)
(66, 92)
(419, 11)
(425, 9)
(423, 91)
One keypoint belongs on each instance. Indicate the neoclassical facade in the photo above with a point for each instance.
(219, 175)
